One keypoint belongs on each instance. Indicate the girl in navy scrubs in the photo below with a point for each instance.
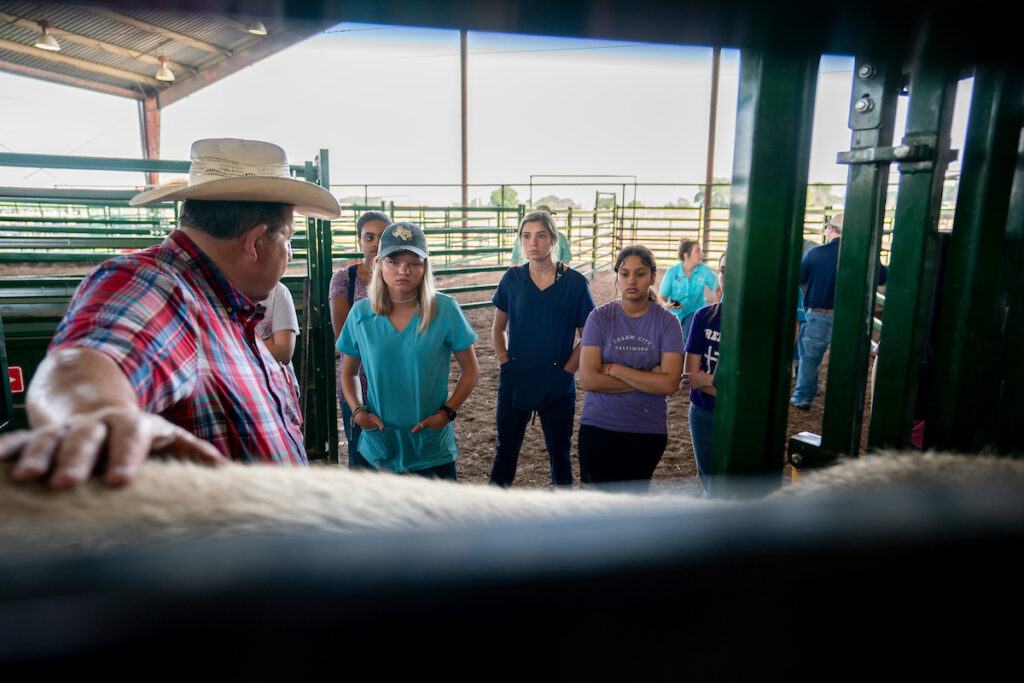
(544, 305)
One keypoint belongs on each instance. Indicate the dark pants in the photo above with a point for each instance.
(352, 432)
(607, 456)
(440, 472)
(556, 419)
(446, 471)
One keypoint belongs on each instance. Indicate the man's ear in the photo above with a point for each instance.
(249, 240)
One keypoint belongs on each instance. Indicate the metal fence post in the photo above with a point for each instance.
(1010, 402)
(912, 267)
(960, 414)
(321, 419)
(872, 118)
(773, 135)
(6, 400)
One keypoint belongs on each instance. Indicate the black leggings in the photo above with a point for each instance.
(607, 456)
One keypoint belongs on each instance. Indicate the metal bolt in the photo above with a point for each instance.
(796, 459)
(866, 71)
(864, 105)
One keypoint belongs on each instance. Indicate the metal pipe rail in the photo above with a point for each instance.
(73, 221)
(32, 230)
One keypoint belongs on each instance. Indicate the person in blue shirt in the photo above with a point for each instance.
(688, 285)
(404, 335)
(544, 305)
(818, 270)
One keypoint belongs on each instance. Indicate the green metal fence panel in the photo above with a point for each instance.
(1010, 402)
(912, 268)
(872, 118)
(6, 402)
(320, 389)
(32, 308)
(967, 380)
(758, 317)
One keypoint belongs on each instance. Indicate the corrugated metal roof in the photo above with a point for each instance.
(118, 50)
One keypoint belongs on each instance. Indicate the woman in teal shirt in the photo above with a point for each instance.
(404, 335)
(689, 285)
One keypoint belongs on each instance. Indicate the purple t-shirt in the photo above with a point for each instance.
(703, 341)
(339, 287)
(636, 343)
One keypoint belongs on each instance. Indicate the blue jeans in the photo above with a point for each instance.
(556, 419)
(801, 324)
(814, 340)
(702, 427)
(685, 322)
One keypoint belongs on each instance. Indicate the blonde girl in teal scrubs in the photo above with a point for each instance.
(404, 335)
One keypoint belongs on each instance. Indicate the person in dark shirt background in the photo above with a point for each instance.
(818, 280)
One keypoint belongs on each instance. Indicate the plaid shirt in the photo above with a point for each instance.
(184, 336)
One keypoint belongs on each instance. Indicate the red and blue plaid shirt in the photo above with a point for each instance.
(184, 336)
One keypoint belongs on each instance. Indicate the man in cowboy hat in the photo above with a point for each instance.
(157, 350)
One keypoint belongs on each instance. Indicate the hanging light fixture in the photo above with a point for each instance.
(45, 41)
(164, 73)
(257, 28)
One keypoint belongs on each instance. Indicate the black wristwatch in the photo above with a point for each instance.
(450, 412)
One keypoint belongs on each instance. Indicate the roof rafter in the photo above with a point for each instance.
(153, 28)
(234, 23)
(80, 63)
(41, 74)
(64, 34)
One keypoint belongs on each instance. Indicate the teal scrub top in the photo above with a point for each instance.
(688, 291)
(407, 373)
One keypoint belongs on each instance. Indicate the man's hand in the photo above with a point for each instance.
(84, 413)
(67, 453)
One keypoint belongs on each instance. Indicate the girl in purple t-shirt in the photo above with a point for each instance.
(631, 362)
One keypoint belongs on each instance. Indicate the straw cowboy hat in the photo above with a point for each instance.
(226, 169)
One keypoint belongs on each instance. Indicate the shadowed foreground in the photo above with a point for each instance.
(602, 586)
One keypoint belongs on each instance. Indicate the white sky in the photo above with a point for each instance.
(385, 102)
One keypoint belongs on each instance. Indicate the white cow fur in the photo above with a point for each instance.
(174, 500)
(178, 500)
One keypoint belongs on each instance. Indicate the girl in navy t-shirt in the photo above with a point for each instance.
(699, 367)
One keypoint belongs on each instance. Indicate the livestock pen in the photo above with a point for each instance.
(905, 574)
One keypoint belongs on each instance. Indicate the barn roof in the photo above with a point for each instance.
(118, 50)
(115, 46)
